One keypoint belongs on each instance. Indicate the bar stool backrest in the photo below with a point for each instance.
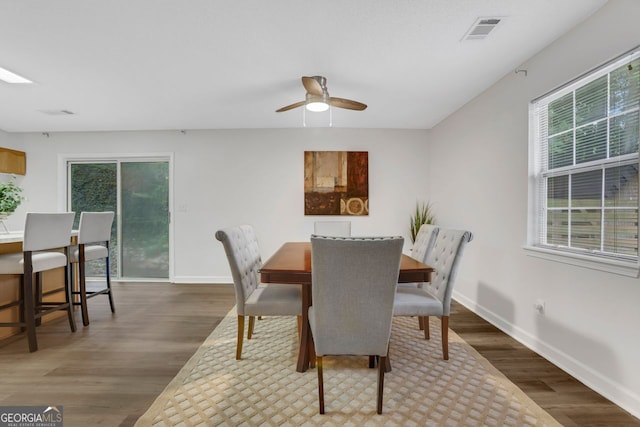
(47, 230)
(95, 227)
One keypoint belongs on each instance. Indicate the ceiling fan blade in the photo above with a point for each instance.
(347, 103)
(290, 107)
(312, 86)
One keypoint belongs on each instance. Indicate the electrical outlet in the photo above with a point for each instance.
(539, 306)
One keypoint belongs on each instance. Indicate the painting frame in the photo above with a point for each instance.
(336, 183)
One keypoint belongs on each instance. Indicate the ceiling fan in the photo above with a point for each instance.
(318, 99)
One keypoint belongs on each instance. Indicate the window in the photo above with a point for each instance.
(584, 165)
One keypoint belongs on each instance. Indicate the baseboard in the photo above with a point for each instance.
(213, 280)
(618, 394)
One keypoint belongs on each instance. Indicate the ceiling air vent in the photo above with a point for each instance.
(481, 28)
(57, 112)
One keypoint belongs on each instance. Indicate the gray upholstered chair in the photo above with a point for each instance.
(45, 245)
(434, 299)
(252, 298)
(332, 228)
(94, 235)
(425, 239)
(354, 284)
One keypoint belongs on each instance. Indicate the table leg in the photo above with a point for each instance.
(305, 335)
(312, 352)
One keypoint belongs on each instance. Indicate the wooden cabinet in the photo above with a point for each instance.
(13, 161)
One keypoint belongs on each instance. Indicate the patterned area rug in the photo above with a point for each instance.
(264, 389)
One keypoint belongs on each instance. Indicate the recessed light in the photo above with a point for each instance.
(13, 78)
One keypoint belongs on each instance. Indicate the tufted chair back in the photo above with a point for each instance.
(354, 285)
(445, 259)
(424, 242)
(241, 246)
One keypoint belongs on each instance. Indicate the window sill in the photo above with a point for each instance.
(629, 269)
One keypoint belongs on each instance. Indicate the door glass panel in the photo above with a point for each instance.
(145, 219)
(94, 189)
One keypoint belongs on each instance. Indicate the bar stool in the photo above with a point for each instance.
(44, 235)
(94, 234)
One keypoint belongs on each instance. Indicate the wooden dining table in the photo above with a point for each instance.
(291, 264)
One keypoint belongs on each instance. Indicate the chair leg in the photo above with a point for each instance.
(372, 362)
(299, 327)
(240, 336)
(252, 322)
(444, 320)
(421, 323)
(320, 384)
(381, 382)
(425, 323)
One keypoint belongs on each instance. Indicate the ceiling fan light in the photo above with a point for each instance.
(317, 103)
(317, 106)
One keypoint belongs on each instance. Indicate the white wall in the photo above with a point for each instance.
(230, 177)
(6, 139)
(478, 170)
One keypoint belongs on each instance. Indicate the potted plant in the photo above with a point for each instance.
(10, 197)
(422, 215)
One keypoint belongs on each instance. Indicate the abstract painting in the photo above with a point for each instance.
(336, 183)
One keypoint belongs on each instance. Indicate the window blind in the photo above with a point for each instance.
(585, 138)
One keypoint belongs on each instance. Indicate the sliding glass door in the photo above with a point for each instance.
(138, 191)
(145, 219)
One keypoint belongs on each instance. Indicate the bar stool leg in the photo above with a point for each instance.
(29, 309)
(108, 273)
(69, 298)
(38, 294)
(21, 306)
(82, 286)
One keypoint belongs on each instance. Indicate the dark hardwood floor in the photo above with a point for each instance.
(111, 371)
(569, 401)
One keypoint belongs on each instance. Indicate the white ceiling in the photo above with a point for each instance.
(212, 64)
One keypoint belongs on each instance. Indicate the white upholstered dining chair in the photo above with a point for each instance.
(434, 298)
(332, 228)
(354, 284)
(94, 235)
(45, 244)
(253, 298)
